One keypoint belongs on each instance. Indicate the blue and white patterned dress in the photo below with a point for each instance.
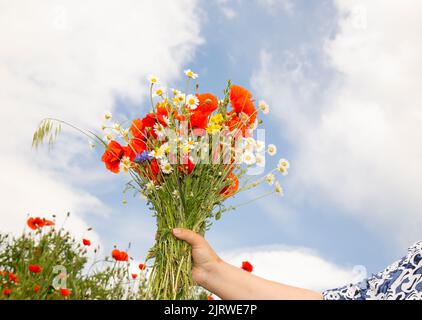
(401, 280)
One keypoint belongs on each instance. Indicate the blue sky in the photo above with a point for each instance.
(342, 81)
(231, 51)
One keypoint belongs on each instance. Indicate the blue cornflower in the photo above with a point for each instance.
(142, 157)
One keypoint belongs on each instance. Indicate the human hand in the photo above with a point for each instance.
(205, 260)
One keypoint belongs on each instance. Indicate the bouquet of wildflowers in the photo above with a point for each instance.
(186, 157)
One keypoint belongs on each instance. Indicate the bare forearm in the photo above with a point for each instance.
(231, 283)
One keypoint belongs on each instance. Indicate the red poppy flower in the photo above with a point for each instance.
(34, 268)
(149, 120)
(241, 100)
(86, 242)
(247, 266)
(137, 128)
(235, 123)
(134, 276)
(112, 156)
(148, 123)
(13, 277)
(153, 171)
(243, 114)
(135, 146)
(37, 288)
(35, 223)
(48, 223)
(188, 165)
(65, 292)
(163, 113)
(210, 298)
(142, 266)
(119, 255)
(7, 292)
(199, 117)
(232, 187)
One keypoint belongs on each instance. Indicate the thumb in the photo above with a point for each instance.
(194, 239)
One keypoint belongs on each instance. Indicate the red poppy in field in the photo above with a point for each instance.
(134, 276)
(7, 292)
(142, 266)
(86, 242)
(37, 288)
(119, 255)
(232, 187)
(34, 268)
(112, 156)
(65, 292)
(13, 277)
(36, 223)
(210, 298)
(247, 266)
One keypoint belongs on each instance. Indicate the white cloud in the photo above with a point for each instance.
(229, 12)
(358, 137)
(286, 5)
(298, 267)
(231, 8)
(63, 59)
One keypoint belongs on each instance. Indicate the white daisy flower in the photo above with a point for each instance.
(166, 120)
(260, 160)
(158, 153)
(188, 146)
(180, 97)
(250, 144)
(108, 115)
(125, 164)
(192, 101)
(159, 131)
(160, 91)
(279, 189)
(272, 150)
(175, 91)
(282, 169)
(190, 74)
(270, 178)
(259, 145)
(283, 162)
(248, 158)
(103, 127)
(153, 79)
(165, 148)
(166, 167)
(263, 106)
